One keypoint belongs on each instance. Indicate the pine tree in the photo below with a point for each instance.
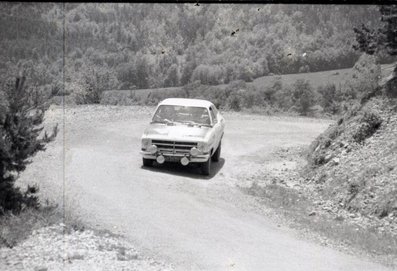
(389, 31)
(20, 127)
(371, 41)
(367, 40)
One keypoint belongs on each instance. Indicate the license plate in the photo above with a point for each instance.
(172, 158)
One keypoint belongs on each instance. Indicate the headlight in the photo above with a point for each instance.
(146, 142)
(203, 147)
(152, 149)
(194, 151)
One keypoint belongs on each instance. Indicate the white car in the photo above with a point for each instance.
(184, 131)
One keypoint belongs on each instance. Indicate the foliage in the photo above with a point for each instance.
(20, 120)
(329, 99)
(302, 96)
(391, 86)
(371, 41)
(364, 78)
(389, 29)
(172, 76)
(368, 124)
(156, 45)
(88, 84)
(367, 40)
(271, 92)
(141, 46)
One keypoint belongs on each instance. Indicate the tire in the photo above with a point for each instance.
(206, 167)
(147, 162)
(217, 154)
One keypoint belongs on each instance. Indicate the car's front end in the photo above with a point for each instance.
(174, 151)
(166, 149)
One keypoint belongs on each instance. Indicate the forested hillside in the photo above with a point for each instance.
(127, 46)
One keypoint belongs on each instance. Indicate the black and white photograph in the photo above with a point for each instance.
(190, 136)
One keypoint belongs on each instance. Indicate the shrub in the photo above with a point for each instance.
(318, 150)
(387, 204)
(250, 98)
(126, 74)
(234, 95)
(302, 96)
(77, 92)
(142, 72)
(329, 100)
(321, 149)
(283, 98)
(245, 73)
(234, 102)
(369, 123)
(270, 92)
(19, 131)
(87, 85)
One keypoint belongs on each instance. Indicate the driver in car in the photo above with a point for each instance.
(200, 116)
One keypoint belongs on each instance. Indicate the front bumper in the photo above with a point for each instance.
(176, 156)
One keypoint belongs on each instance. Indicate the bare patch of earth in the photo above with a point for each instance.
(58, 248)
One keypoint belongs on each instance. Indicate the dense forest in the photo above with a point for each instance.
(128, 46)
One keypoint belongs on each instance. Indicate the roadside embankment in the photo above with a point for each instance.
(346, 189)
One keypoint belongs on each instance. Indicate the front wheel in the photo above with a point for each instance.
(206, 167)
(217, 154)
(147, 162)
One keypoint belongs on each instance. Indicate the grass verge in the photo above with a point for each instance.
(16, 228)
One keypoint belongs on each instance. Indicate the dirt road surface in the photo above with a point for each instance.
(171, 212)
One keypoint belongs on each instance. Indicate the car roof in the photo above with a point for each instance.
(186, 102)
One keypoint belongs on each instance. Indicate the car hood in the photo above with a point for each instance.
(176, 132)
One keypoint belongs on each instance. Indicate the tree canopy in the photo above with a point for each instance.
(157, 45)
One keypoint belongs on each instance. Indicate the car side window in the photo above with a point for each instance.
(213, 115)
(215, 110)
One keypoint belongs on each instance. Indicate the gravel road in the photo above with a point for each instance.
(171, 212)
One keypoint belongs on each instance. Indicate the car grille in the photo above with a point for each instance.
(174, 147)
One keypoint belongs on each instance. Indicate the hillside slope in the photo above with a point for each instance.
(353, 164)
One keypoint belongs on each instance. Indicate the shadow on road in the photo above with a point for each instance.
(192, 170)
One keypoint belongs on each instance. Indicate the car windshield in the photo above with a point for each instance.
(182, 114)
